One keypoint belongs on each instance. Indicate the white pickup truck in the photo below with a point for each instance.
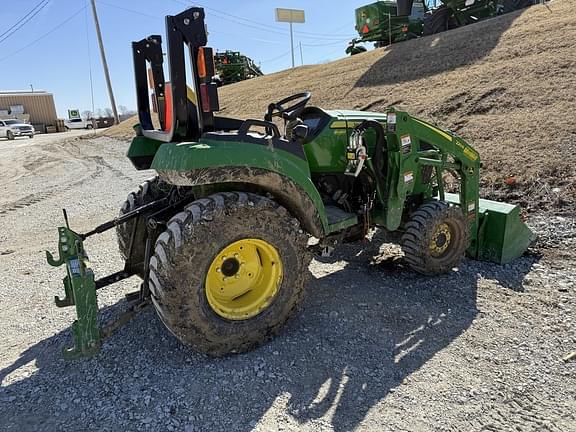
(13, 128)
(77, 123)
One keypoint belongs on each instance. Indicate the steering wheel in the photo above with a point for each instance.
(290, 113)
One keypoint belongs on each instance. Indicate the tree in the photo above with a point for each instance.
(108, 112)
(87, 114)
(123, 110)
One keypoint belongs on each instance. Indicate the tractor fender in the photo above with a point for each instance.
(247, 167)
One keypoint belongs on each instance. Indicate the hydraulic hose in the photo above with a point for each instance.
(379, 149)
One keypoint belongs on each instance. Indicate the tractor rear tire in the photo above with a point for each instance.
(513, 5)
(147, 192)
(229, 272)
(437, 21)
(436, 238)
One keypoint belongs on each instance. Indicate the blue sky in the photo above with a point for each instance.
(55, 49)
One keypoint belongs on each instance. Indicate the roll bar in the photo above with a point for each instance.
(185, 111)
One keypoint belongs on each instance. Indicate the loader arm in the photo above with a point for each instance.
(497, 232)
(413, 144)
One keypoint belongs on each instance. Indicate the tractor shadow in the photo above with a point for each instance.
(435, 54)
(365, 329)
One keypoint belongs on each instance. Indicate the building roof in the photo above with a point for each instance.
(24, 93)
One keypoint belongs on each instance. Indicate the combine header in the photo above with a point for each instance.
(220, 236)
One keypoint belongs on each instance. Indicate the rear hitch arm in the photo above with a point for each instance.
(80, 290)
(80, 285)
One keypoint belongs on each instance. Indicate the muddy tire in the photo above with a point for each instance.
(436, 238)
(147, 192)
(182, 272)
(436, 22)
(10, 135)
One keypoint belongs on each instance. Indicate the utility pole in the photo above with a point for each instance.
(105, 63)
(301, 55)
(389, 29)
(292, 44)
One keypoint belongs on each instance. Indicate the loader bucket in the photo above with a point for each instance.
(502, 236)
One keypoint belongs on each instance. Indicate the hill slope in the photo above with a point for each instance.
(507, 85)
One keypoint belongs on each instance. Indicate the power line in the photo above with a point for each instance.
(340, 42)
(257, 25)
(327, 56)
(129, 10)
(21, 50)
(272, 60)
(211, 31)
(23, 21)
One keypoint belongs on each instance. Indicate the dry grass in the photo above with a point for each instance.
(508, 85)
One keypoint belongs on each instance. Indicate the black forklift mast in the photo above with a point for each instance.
(149, 50)
(181, 117)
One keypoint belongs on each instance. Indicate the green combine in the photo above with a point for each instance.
(232, 66)
(390, 21)
(220, 238)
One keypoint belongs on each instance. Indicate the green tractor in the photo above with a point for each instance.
(384, 23)
(222, 236)
(390, 21)
(232, 66)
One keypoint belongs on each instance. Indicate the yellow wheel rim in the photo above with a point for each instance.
(440, 240)
(243, 279)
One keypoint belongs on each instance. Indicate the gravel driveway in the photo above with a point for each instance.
(376, 347)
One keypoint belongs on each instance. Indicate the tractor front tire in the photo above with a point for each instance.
(436, 238)
(151, 190)
(228, 272)
(437, 21)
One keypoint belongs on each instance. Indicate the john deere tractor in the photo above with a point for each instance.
(390, 21)
(221, 237)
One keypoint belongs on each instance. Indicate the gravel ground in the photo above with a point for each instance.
(375, 348)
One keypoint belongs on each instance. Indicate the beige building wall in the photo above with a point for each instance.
(40, 105)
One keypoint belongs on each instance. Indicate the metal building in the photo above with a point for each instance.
(39, 104)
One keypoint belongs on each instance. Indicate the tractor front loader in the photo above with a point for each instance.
(220, 236)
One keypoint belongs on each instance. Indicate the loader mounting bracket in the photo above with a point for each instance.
(80, 285)
(80, 290)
